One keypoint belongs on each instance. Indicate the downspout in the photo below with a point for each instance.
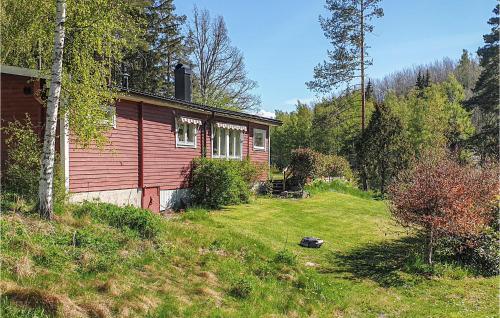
(269, 151)
(248, 140)
(64, 147)
(141, 146)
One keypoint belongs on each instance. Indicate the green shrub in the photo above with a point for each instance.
(285, 257)
(307, 164)
(241, 288)
(481, 252)
(22, 166)
(250, 172)
(142, 221)
(217, 182)
(335, 167)
(304, 164)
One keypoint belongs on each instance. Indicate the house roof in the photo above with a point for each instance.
(7, 69)
(204, 108)
(21, 71)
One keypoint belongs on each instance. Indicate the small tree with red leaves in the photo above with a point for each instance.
(444, 198)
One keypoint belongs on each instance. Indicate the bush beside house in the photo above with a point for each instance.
(216, 182)
(21, 173)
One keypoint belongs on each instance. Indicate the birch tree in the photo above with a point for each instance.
(45, 188)
(97, 34)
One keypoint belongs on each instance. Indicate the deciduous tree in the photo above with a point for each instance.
(96, 33)
(45, 188)
(294, 133)
(220, 77)
(444, 198)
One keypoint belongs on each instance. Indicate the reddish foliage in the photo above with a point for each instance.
(444, 197)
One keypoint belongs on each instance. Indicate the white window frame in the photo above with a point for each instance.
(185, 143)
(227, 143)
(111, 122)
(264, 133)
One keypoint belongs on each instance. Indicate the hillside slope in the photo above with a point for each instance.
(242, 261)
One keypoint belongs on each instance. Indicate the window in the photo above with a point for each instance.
(110, 113)
(186, 131)
(227, 141)
(259, 139)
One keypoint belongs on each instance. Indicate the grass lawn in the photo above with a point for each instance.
(230, 263)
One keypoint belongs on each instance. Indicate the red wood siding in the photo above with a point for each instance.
(114, 167)
(15, 105)
(166, 165)
(260, 156)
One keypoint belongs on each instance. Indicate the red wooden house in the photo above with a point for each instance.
(151, 145)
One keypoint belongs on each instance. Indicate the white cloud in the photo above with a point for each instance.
(265, 113)
(293, 101)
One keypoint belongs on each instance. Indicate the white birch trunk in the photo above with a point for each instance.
(45, 190)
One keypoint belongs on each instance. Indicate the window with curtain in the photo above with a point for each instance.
(186, 132)
(227, 143)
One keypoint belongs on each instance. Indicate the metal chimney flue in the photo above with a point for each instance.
(183, 82)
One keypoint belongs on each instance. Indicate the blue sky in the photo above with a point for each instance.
(282, 40)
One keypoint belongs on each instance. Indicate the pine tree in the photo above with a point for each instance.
(486, 93)
(382, 149)
(346, 29)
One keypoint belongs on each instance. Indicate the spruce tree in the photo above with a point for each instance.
(369, 93)
(420, 84)
(486, 93)
(382, 150)
(151, 67)
(427, 78)
(467, 72)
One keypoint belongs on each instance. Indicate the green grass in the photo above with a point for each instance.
(241, 261)
(340, 186)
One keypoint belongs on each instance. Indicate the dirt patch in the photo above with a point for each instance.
(53, 304)
(96, 310)
(23, 267)
(109, 287)
(209, 277)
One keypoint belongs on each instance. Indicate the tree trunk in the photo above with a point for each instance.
(430, 246)
(362, 45)
(45, 190)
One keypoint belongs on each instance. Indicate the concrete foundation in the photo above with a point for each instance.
(173, 199)
(118, 197)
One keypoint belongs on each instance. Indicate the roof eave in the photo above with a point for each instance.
(155, 99)
(21, 71)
